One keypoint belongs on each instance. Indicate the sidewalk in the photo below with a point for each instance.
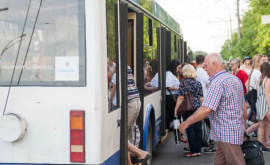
(170, 153)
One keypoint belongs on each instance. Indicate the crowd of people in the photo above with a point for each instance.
(219, 99)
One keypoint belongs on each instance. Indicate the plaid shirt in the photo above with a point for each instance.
(226, 100)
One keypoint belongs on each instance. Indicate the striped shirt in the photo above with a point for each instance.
(225, 97)
(133, 93)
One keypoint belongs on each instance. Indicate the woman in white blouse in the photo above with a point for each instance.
(172, 85)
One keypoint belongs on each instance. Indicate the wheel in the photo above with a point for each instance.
(149, 147)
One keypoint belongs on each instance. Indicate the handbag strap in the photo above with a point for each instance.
(186, 86)
(171, 93)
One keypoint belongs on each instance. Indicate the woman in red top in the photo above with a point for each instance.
(242, 75)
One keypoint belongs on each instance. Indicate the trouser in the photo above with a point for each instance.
(194, 135)
(229, 154)
(133, 113)
(170, 105)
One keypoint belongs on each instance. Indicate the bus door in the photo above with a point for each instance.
(135, 59)
(123, 31)
(162, 51)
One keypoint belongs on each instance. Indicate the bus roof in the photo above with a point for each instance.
(157, 11)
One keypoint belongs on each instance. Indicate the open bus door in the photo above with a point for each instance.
(123, 8)
(135, 60)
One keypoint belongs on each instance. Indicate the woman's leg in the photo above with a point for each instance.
(190, 135)
(267, 129)
(191, 139)
(261, 130)
(253, 128)
(198, 136)
(136, 151)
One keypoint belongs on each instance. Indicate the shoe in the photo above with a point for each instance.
(265, 149)
(144, 160)
(210, 150)
(186, 149)
(191, 155)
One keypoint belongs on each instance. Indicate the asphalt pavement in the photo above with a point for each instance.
(168, 153)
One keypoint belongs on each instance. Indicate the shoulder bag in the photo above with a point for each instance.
(187, 103)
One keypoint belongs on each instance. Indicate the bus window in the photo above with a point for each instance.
(173, 46)
(151, 58)
(112, 57)
(41, 47)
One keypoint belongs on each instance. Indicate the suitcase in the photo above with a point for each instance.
(252, 150)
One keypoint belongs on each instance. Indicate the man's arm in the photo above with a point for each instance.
(199, 115)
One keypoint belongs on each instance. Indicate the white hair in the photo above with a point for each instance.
(215, 57)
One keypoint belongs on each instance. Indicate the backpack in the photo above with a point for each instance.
(252, 150)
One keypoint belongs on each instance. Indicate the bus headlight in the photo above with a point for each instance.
(12, 127)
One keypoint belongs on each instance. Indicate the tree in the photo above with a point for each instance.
(255, 36)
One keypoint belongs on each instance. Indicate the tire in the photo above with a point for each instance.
(149, 147)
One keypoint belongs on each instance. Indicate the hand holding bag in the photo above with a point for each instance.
(177, 135)
(187, 103)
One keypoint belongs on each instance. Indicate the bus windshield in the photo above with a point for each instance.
(42, 43)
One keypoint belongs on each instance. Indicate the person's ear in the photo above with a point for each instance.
(214, 64)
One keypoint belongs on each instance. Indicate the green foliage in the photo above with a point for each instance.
(255, 35)
(111, 30)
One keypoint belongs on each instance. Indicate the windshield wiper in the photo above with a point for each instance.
(11, 43)
(3, 9)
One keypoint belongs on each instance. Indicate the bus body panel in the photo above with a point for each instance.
(46, 109)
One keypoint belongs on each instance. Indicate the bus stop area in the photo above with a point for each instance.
(170, 153)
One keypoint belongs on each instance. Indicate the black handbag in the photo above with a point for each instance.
(252, 151)
(252, 98)
(252, 116)
(205, 134)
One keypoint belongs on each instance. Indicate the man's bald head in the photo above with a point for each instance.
(215, 57)
(213, 63)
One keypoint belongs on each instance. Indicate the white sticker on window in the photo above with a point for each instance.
(67, 68)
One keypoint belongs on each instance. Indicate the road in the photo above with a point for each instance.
(168, 153)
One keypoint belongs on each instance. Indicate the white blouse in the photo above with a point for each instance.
(255, 78)
(171, 81)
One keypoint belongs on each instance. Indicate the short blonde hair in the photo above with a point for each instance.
(189, 71)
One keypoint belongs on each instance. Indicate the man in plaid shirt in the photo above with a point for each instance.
(224, 103)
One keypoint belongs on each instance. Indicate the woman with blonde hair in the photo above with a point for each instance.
(194, 132)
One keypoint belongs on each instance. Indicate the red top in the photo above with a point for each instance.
(242, 75)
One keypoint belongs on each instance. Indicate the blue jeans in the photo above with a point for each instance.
(194, 135)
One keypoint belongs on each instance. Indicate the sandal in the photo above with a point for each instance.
(267, 144)
(198, 154)
(183, 141)
(191, 155)
(144, 160)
